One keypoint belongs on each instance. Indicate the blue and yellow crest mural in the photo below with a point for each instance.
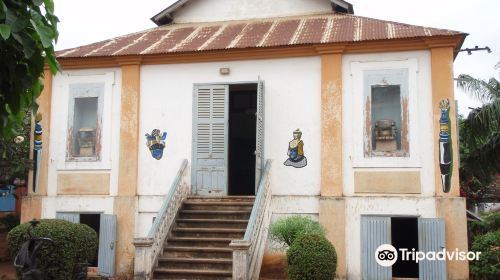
(156, 143)
(295, 152)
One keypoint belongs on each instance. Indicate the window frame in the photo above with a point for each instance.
(85, 90)
(109, 117)
(360, 83)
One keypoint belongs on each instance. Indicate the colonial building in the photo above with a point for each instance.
(182, 143)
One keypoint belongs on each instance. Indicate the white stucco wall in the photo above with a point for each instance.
(222, 10)
(384, 206)
(292, 100)
(420, 117)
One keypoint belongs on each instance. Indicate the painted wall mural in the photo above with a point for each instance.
(295, 152)
(156, 143)
(37, 150)
(445, 145)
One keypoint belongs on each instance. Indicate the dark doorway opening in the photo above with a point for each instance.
(241, 139)
(93, 221)
(404, 233)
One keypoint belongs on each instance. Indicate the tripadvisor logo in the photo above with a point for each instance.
(387, 255)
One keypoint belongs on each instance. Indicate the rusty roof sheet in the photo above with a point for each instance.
(316, 29)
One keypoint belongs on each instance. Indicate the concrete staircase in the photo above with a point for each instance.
(198, 245)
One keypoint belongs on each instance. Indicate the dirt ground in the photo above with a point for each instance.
(7, 271)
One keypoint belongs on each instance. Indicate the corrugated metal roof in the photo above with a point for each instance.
(317, 29)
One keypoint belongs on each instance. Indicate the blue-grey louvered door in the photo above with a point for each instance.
(431, 238)
(375, 231)
(210, 130)
(107, 245)
(259, 138)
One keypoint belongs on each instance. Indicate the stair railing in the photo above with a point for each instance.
(248, 252)
(148, 249)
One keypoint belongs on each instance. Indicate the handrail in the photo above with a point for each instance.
(248, 252)
(148, 249)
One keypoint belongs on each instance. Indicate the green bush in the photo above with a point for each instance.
(72, 244)
(488, 265)
(286, 230)
(490, 223)
(311, 257)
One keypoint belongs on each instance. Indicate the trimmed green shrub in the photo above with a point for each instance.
(488, 265)
(286, 230)
(311, 257)
(72, 244)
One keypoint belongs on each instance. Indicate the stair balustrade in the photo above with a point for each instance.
(249, 251)
(148, 249)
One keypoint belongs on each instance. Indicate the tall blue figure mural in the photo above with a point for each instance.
(37, 150)
(445, 145)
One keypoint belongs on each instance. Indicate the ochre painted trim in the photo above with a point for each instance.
(442, 88)
(452, 210)
(125, 209)
(387, 182)
(31, 208)
(332, 218)
(331, 125)
(129, 130)
(125, 204)
(265, 53)
(44, 102)
(82, 183)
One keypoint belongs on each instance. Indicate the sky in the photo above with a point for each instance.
(89, 21)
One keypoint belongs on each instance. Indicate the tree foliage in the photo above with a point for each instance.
(28, 29)
(14, 154)
(480, 140)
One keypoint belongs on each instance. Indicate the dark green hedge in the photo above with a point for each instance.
(311, 257)
(72, 244)
(488, 265)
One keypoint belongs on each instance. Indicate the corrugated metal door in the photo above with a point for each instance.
(259, 145)
(70, 217)
(107, 245)
(210, 139)
(375, 231)
(431, 238)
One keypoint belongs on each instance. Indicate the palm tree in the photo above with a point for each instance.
(480, 140)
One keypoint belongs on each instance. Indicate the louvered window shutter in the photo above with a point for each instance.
(210, 140)
(431, 238)
(375, 231)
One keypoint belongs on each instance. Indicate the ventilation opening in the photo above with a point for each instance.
(241, 139)
(93, 221)
(404, 233)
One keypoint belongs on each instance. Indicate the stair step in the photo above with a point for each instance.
(211, 223)
(196, 252)
(215, 214)
(222, 198)
(170, 273)
(233, 233)
(199, 241)
(199, 263)
(218, 205)
(195, 260)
